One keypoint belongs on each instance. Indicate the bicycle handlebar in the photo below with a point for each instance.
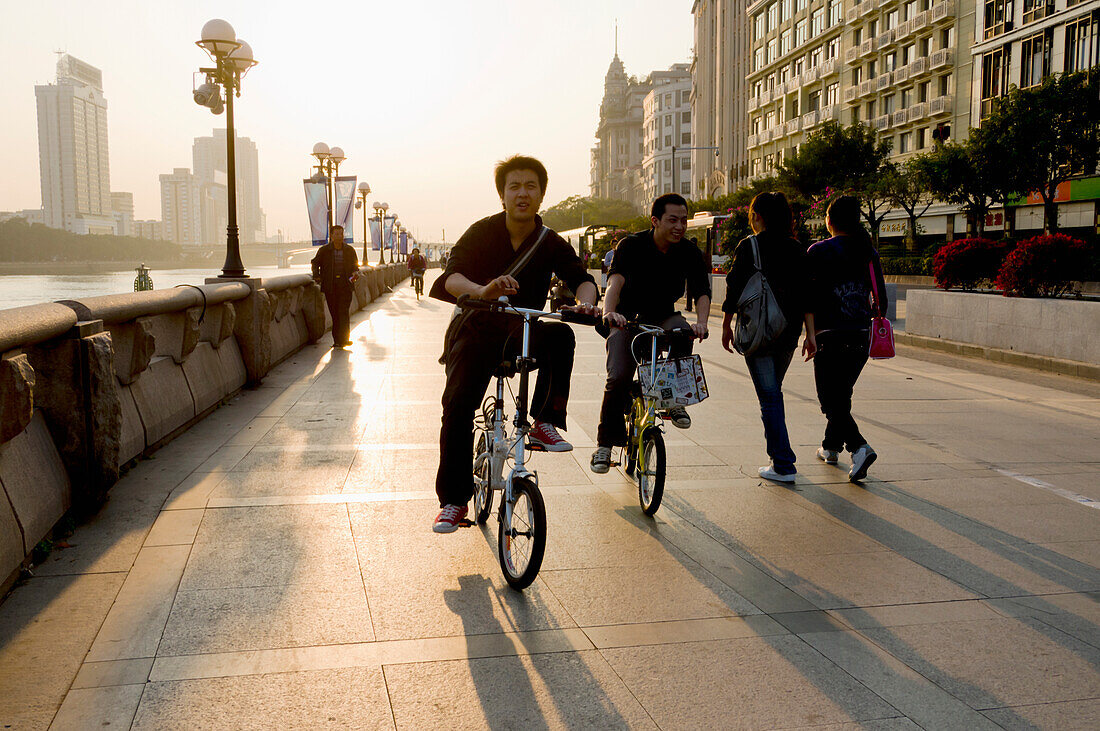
(503, 305)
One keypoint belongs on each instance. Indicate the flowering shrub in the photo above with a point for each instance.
(967, 263)
(1046, 266)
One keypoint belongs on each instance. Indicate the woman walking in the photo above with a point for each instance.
(841, 269)
(782, 262)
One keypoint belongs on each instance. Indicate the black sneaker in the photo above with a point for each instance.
(679, 417)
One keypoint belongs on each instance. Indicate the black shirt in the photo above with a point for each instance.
(783, 261)
(841, 284)
(655, 280)
(485, 252)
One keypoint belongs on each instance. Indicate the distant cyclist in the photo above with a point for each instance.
(647, 276)
(417, 265)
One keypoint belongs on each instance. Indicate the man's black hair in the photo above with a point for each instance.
(520, 162)
(664, 201)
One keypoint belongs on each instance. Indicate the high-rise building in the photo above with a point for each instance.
(149, 230)
(616, 170)
(72, 149)
(181, 207)
(209, 159)
(122, 206)
(719, 99)
(900, 66)
(666, 126)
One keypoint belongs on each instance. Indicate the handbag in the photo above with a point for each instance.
(882, 332)
(460, 316)
(679, 381)
(759, 317)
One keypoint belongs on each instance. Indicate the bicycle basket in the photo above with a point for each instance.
(679, 381)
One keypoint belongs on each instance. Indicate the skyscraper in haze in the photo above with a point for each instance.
(72, 149)
(209, 158)
(181, 205)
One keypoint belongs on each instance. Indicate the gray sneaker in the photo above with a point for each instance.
(679, 417)
(828, 456)
(861, 460)
(601, 460)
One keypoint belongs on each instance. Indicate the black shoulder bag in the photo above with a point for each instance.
(461, 316)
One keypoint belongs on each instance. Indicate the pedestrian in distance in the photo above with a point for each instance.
(647, 276)
(782, 260)
(841, 270)
(479, 266)
(335, 268)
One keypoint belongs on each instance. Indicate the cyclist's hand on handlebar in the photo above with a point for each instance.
(614, 319)
(700, 330)
(502, 285)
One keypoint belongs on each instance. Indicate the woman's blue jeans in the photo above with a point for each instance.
(767, 371)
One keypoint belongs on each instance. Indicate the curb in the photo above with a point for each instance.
(1090, 371)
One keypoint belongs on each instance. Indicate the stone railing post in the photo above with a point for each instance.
(253, 327)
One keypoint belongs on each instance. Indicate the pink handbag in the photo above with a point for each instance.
(882, 332)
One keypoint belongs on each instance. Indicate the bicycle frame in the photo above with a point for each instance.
(647, 419)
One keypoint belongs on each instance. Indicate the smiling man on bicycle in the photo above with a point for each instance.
(479, 266)
(647, 276)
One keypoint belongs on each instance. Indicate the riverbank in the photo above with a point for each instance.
(93, 267)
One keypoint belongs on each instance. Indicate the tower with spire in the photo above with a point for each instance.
(617, 157)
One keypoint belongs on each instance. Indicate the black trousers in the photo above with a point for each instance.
(839, 361)
(620, 374)
(471, 362)
(339, 301)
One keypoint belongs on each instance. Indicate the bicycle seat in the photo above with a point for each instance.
(507, 369)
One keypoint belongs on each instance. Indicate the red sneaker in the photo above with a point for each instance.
(448, 519)
(544, 437)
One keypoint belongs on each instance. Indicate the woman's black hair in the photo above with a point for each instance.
(775, 211)
(844, 215)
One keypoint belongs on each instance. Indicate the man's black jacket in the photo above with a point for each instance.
(325, 273)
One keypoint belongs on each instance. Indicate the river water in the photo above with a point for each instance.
(17, 290)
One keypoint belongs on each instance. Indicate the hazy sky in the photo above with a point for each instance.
(424, 97)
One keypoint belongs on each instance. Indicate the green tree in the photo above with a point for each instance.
(908, 188)
(22, 241)
(576, 211)
(1050, 133)
(968, 175)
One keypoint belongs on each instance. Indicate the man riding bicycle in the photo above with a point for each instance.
(417, 265)
(646, 278)
(478, 267)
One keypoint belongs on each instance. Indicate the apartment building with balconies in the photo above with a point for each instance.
(900, 66)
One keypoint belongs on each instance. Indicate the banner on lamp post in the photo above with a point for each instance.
(404, 244)
(317, 207)
(345, 200)
(388, 232)
(375, 234)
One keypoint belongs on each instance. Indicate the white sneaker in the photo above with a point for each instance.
(769, 473)
(827, 456)
(861, 460)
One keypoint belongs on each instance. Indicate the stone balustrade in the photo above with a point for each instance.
(87, 386)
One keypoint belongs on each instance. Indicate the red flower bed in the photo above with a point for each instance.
(967, 263)
(1045, 266)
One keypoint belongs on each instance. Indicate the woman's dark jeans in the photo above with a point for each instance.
(839, 361)
(767, 371)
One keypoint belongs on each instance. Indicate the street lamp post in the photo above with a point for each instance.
(676, 168)
(328, 167)
(380, 211)
(232, 59)
(364, 191)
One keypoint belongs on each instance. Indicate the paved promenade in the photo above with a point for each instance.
(274, 566)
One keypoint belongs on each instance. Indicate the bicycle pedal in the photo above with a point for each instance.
(532, 446)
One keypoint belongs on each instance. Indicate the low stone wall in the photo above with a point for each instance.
(1053, 328)
(88, 385)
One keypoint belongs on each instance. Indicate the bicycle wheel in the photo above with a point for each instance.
(651, 471)
(483, 485)
(630, 451)
(521, 539)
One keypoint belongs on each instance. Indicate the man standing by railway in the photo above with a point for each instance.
(647, 276)
(481, 265)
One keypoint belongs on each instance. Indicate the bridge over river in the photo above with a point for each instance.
(272, 566)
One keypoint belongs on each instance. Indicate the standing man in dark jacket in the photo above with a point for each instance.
(646, 277)
(335, 268)
(477, 267)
